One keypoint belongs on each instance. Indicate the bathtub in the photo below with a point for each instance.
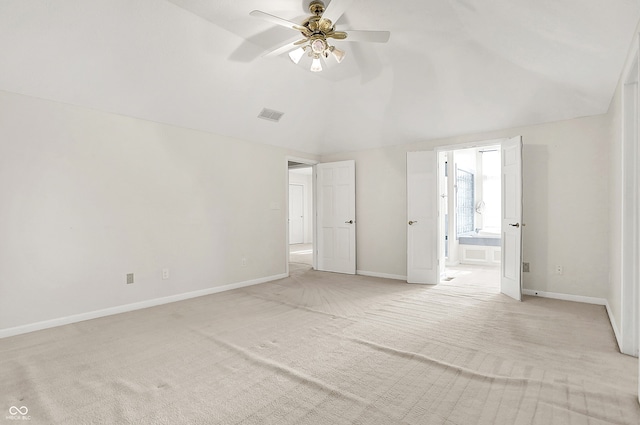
(480, 248)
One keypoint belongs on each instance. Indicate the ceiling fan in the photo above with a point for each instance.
(317, 29)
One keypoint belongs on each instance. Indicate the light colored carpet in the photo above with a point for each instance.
(323, 348)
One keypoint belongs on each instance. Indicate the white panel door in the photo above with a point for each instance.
(422, 218)
(336, 224)
(443, 201)
(296, 213)
(511, 275)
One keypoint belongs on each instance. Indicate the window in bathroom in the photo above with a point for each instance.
(465, 200)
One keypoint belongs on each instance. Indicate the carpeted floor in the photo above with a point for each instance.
(323, 348)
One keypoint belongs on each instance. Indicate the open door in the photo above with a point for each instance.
(511, 272)
(296, 213)
(336, 183)
(422, 218)
(443, 200)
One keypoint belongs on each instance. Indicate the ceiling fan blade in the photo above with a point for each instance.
(335, 10)
(368, 36)
(275, 20)
(282, 49)
(338, 35)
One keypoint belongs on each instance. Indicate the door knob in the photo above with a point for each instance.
(349, 222)
(515, 225)
(411, 222)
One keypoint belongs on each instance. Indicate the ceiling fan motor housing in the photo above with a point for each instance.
(316, 7)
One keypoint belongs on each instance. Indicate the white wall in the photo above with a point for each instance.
(566, 210)
(87, 197)
(614, 294)
(306, 180)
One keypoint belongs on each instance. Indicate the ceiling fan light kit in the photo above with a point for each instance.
(316, 65)
(296, 55)
(316, 29)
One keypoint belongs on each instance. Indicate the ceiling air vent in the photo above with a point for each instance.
(271, 115)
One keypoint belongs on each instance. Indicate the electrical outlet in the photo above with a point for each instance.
(525, 267)
(243, 262)
(165, 274)
(559, 270)
(129, 278)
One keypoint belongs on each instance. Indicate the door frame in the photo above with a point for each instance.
(630, 210)
(451, 148)
(312, 163)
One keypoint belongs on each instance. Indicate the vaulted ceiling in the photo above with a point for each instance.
(451, 67)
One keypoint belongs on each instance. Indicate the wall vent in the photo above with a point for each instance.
(270, 115)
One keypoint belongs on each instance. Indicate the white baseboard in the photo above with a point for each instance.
(580, 299)
(565, 297)
(4, 333)
(382, 275)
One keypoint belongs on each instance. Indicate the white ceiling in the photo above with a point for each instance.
(451, 66)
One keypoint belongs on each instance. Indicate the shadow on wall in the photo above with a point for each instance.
(535, 236)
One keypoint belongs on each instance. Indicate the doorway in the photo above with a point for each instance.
(425, 259)
(300, 221)
(470, 215)
(329, 223)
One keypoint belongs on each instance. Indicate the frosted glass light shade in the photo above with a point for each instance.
(296, 55)
(338, 54)
(316, 66)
